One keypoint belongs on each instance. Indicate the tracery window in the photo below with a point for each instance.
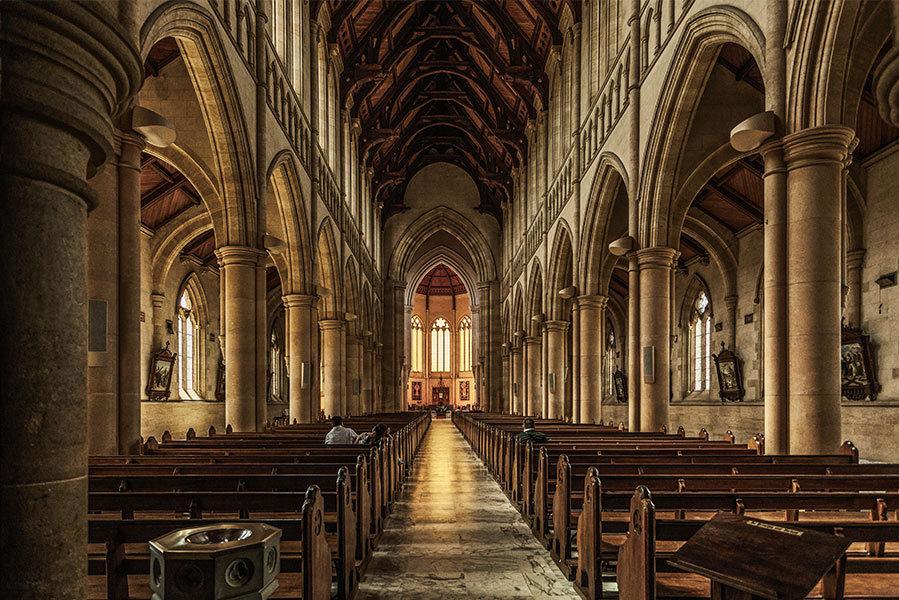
(440, 345)
(701, 337)
(417, 338)
(188, 351)
(465, 344)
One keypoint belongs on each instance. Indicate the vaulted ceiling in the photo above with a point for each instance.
(444, 80)
(441, 281)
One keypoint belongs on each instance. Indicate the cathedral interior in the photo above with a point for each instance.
(229, 221)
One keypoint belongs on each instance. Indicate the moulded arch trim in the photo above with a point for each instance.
(681, 94)
(172, 242)
(517, 307)
(557, 264)
(603, 193)
(351, 298)
(205, 60)
(719, 251)
(294, 263)
(536, 288)
(452, 222)
(453, 260)
(328, 270)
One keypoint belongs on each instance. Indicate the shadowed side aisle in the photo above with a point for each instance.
(453, 534)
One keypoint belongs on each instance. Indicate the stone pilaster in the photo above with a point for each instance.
(656, 270)
(300, 328)
(353, 375)
(730, 303)
(239, 265)
(815, 160)
(854, 262)
(68, 69)
(517, 395)
(368, 387)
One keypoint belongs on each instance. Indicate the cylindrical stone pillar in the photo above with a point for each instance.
(555, 377)
(592, 310)
(854, 262)
(777, 426)
(656, 266)
(633, 343)
(517, 387)
(129, 290)
(332, 369)
(353, 375)
(504, 403)
(298, 309)
(730, 303)
(238, 288)
(66, 66)
(532, 350)
(159, 331)
(815, 160)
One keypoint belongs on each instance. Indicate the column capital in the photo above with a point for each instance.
(299, 301)
(592, 301)
(532, 340)
(239, 256)
(560, 326)
(157, 299)
(818, 145)
(855, 258)
(331, 324)
(659, 257)
(513, 349)
(731, 301)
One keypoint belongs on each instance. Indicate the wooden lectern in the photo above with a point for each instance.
(750, 559)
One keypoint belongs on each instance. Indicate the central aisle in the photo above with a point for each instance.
(453, 534)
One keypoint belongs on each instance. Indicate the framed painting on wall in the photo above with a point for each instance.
(159, 383)
(730, 377)
(220, 382)
(620, 386)
(857, 373)
(416, 391)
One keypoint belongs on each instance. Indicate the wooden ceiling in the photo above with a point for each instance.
(441, 281)
(444, 80)
(165, 192)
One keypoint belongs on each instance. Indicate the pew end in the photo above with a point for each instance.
(847, 448)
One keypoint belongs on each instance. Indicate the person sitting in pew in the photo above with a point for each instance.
(340, 434)
(530, 434)
(373, 437)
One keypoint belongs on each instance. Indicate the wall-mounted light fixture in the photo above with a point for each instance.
(538, 318)
(350, 316)
(885, 281)
(622, 245)
(751, 133)
(568, 292)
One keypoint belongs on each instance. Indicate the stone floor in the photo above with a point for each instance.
(453, 534)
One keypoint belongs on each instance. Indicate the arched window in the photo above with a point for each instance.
(610, 358)
(465, 344)
(440, 346)
(417, 338)
(701, 342)
(188, 348)
(275, 368)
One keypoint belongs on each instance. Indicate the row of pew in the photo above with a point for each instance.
(330, 502)
(613, 506)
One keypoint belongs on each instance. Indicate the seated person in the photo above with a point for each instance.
(373, 437)
(340, 434)
(530, 434)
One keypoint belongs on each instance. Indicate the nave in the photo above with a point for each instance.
(454, 534)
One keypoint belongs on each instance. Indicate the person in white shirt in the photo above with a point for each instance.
(340, 434)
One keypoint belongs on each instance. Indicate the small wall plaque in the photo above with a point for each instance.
(747, 319)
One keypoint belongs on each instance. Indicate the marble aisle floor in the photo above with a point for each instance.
(454, 534)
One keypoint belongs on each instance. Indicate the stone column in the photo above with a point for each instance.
(517, 395)
(854, 262)
(300, 323)
(777, 426)
(332, 372)
(159, 331)
(368, 388)
(66, 67)
(503, 405)
(633, 341)
(353, 375)
(534, 400)
(129, 292)
(656, 266)
(555, 359)
(379, 377)
(815, 159)
(592, 311)
(238, 288)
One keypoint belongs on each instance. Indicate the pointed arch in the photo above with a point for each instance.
(610, 182)
(328, 272)
(561, 270)
(352, 301)
(290, 221)
(535, 299)
(210, 71)
(693, 60)
(191, 319)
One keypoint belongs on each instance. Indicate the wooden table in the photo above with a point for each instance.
(749, 559)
